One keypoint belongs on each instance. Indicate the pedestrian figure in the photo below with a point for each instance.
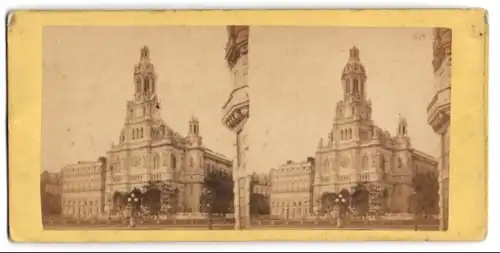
(415, 221)
(336, 211)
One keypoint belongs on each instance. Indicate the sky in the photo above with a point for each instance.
(88, 78)
(294, 80)
(295, 85)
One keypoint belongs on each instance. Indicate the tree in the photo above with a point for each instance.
(151, 200)
(51, 204)
(424, 200)
(160, 197)
(221, 187)
(327, 202)
(259, 204)
(336, 204)
(120, 202)
(360, 200)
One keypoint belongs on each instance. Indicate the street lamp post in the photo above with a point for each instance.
(209, 216)
(209, 207)
(340, 201)
(133, 201)
(318, 210)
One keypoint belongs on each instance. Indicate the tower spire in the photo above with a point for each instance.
(402, 125)
(354, 54)
(145, 52)
(144, 75)
(354, 76)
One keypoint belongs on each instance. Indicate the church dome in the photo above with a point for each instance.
(144, 64)
(354, 66)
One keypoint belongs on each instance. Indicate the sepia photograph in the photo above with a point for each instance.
(350, 126)
(148, 128)
(132, 126)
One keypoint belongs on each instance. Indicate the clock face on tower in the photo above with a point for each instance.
(345, 161)
(364, 115)
(136, 161)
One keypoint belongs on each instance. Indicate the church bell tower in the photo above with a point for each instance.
(353, 112)
(144, 75)
(143, 110)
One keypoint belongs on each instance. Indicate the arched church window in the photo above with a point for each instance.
(146, 84)
(133, 134)
(173, 161)
(382, 163)
(195, 128)
(355, 85)
(342, 134)
(190, 162)
(400, 163)
(350, 133)
(152, 85)
(138, 85)
(364, 162)
(142, 132)
(347, 85)
(156, 162)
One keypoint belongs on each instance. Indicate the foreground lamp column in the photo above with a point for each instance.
(235, 113)
(438, 113)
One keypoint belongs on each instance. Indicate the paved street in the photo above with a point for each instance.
(230, 227)
(141, 227)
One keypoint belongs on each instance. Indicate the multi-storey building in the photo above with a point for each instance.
(357, 150)
(147, 150)
(50, 193)
(261, 184)
(83, 189)
(291, 189)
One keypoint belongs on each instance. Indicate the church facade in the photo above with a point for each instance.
(148, 149)
(358, 151)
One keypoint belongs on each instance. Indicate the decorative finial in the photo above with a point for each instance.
(354, 54)
(320, 144)
(402, 119)
(145, 52)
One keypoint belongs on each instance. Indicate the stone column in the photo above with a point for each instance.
(235, 115)
(438, 113)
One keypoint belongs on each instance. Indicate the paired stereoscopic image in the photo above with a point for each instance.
(149, 128)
